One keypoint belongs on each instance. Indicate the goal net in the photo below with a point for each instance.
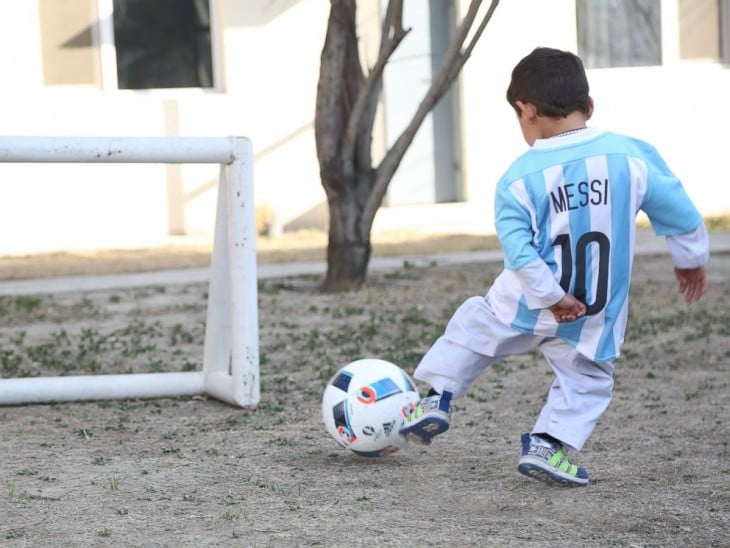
(230, 369)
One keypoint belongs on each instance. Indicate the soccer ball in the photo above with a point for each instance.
(364, 405)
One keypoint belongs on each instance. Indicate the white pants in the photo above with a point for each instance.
(475, 339)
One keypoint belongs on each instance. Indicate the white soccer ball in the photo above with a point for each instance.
(364, 405)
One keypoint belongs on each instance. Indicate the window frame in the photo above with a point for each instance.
(603, 56)
(724, 16)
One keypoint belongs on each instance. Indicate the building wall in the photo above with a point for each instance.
(67, 41)
(668, 106)
(267, 92)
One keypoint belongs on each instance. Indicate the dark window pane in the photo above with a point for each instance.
(162, 43)
(619, 33)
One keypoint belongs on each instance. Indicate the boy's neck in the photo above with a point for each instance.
(552, 127)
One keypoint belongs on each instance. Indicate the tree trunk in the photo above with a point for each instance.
(347, 100)
(348, 248)
(343, 148)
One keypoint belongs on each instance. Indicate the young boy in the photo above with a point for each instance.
(565, 216)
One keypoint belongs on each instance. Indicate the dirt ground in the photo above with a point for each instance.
(195, 472)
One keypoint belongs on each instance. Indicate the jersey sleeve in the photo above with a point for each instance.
(690, 250)
(666, 203)
(514, 223)
(514, 220)
(539, 287)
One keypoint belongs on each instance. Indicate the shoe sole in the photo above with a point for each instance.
(553, 477)
(424, 430)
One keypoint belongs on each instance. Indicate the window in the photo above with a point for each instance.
(619, 33)
(162, 44)
(627, 33)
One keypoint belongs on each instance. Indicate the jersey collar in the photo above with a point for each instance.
(568, 139)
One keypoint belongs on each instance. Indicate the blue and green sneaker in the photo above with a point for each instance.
(431, 417)
(545, 460)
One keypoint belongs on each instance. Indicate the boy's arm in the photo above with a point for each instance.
(540, 288)
(568, 309)
(690, 252)
(513, 220)
(692, 282)
(673, 215)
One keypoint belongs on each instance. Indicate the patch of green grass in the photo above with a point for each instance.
(14, 533)
(282, 441)
(405, 274)
(91, 349)
(172, 451)
(229, 516)
(10, 362)
(180, 334)
(273, 287)
(157, 366)
(85, 305)
(28, 472)
(27, 303)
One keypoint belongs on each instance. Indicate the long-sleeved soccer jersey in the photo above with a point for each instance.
(565, 214)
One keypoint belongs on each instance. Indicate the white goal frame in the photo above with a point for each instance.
(230, 369)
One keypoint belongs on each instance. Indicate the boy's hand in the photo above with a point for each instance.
(692, 282)
(568, 309)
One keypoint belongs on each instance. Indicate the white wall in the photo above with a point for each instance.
(270, 55)
(273, 72)
(679, 108)
(20, 45)
(269, 97)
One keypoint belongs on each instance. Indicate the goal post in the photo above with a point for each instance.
(230, 369)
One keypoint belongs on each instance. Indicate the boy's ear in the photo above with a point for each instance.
(528, 111)
(590, 108)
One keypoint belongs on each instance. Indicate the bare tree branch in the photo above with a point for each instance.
(392, 33)
(347, 103)
(475, 38)
(453, 61)
(332, 96)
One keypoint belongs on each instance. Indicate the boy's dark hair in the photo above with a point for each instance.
(552, 80)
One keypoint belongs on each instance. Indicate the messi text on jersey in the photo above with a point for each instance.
(572, 196)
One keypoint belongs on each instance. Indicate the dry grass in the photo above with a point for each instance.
(306, 245)
(192, 471)
(289, 247)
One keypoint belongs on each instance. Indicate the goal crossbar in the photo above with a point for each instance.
(230, 370)
(164, 150)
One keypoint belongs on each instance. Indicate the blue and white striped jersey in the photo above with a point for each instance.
(565, 216)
